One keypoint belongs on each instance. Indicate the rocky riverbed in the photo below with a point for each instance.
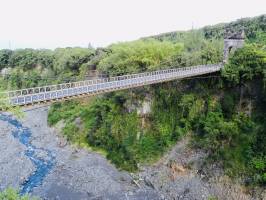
(82, 174)
(76, 174)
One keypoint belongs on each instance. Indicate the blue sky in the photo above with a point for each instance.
(61, 23)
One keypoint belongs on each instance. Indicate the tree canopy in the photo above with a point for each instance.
(245, 64)
(138, 56)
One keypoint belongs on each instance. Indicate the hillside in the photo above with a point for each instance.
(223, 114)
(254, 28)
(223, 111)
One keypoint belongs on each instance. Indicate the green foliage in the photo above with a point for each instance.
(194, 40)
(7, 107)
(175, 37)
(245, 64)
(233, 136)
(228, 140)
(60, 59)
(252, 26)
(4, 58)
(258, 165)
(126, 138)
(198, 50)
(211, 51)
(71, 58)
(72, 111)
(138, 56)
(32, 68)
(11, 194)
(228, 104)
(229, 135)
(212, 198)
(108, 125)
(260, 38)
(105, 127)
(25, 58)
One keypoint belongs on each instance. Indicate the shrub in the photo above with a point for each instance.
(11, 194)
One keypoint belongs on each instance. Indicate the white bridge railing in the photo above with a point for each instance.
(90, 87)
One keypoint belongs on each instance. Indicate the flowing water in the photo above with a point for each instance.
(43, 164)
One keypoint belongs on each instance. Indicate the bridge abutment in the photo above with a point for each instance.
(232, 41)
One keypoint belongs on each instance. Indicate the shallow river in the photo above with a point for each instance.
(43, 166)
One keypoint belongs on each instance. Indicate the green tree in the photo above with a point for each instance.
(7, 107)
(24, 58)
(70, 59)
(245, 64)
(211, 52)
(4, 58)
(138, 56)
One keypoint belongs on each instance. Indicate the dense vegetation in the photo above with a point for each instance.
(254, 28)
(234, 122)
(214, 109)
(224, 112)
(30, 68)
(26, 68)
(109, 125)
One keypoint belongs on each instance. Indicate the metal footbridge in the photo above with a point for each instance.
(63, 91)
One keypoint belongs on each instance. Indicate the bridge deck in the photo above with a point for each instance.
(92, 87)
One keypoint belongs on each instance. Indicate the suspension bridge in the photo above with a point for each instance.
(92, 87)
(51, 93)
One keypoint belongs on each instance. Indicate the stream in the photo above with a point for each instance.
(43, 164)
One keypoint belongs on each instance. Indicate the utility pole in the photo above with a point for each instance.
(9, 44)
(90, 46)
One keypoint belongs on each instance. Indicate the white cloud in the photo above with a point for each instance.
(54, 23)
